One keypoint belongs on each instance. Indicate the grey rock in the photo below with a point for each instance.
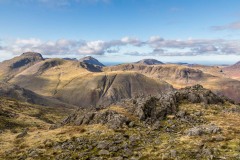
(173, 153)
(117, 158)
(113, 148)
(33, 154)
(103, 152)
(22, 134)
(131, 124)
(102, 145)
(212, 129)
(196, 131)
(204, 129)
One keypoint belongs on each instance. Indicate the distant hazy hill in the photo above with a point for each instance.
(90, 60)
(149, 62)
(233, 71)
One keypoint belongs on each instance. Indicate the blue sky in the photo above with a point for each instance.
(204, 31)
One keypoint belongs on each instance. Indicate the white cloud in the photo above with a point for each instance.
(132, 41)
(94, 47)
(156, 46)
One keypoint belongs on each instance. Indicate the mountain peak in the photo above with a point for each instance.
(91, 60)
(32, 54)
(149, 62)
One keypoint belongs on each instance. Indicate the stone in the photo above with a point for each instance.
(131, 124)
(22, 134)
(212, 129)
(102, 145)
(196, 131)
(103, 152)
(33, 154)
(173, 153)
(117, 158)
(198, 113)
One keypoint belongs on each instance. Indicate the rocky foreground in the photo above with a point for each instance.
(190, 123)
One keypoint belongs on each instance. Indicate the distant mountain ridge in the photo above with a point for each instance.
(149, 62)
(88, 82)
(91, 60)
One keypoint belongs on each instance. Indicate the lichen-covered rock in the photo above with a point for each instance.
(157, 108)
(198, 94)
(203, 129)
(111, 118)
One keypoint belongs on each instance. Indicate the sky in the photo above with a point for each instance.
(193, 31)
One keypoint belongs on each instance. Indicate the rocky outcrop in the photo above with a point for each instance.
(111, 118)
(149, 110)
(198, 94)
(204, 129)
(154, 109)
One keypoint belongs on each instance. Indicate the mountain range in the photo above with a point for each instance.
(81, 109)
(60, 78)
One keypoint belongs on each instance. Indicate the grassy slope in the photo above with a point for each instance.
(16, 116)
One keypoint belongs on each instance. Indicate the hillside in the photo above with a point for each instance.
(91, 89)
(25, 95)
(107, 88)
(181, 76)
(18, 118)
(191, 123)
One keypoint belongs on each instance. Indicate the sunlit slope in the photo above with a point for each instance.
(106, 88)
(46, 77)
(72, 82)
